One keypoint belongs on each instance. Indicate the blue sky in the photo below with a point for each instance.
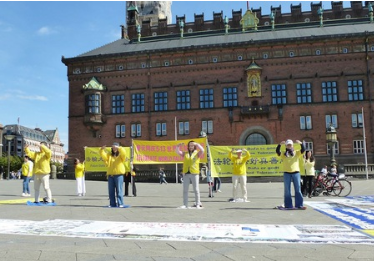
(35, 35)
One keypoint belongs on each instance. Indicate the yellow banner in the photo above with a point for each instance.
(94, 163)
(263, 161)
(162, 152)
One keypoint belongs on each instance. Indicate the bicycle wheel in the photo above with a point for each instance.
(346, 187)
(337, 187)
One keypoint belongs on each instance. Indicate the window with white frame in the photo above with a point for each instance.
(136, 130)
(184, 128)
(305, 122)
(161, 129)
(331, 120)
(357, 120)
(358, 147)
(207, 126)
(120, 131)
(308, 146)
(335, 146)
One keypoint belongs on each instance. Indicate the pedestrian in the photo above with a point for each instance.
(291, 169)
(333, 170)
(130, 179)
(42, 169)
(324, 170)
(80, 177)
(217, 184)
(115, 170)
(308, 177)
(239, 173)
(191, 161)
(27, 170)
(1, 171)
(162, 176)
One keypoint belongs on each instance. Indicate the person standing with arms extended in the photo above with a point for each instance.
(116, 168)
(291, 169)
(309, 173)
(239, 173)
(191, 163)
(79, 176)
(42, 169)
(27, 170)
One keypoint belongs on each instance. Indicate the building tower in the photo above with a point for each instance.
(151, 11)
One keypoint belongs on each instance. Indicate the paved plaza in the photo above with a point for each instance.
(83, 228)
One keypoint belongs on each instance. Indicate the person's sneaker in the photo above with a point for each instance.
(197, 206)
(219, 191)
(246, 200)
(239, 200)
(24, 195)
(232, 200)
(183, 207)
(121, 206)
(302, 208)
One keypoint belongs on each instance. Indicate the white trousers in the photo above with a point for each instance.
(81, 185)
(42, 179)
(242, 179)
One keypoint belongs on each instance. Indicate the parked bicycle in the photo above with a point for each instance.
(338, 185)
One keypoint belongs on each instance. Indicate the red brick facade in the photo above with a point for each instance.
(341, 58)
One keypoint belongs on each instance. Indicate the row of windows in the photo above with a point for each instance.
(214, 59)
(331, 120)
(207, 127)
(183, 129)
(329, 92)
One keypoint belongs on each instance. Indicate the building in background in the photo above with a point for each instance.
(248, 79)
(32, 137)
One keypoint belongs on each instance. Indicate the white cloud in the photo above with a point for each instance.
(4, 97)
(45, 30)
(33, 97)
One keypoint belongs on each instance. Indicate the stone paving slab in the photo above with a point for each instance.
(158, 203)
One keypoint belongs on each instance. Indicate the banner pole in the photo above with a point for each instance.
(366, 156)
(176, 138)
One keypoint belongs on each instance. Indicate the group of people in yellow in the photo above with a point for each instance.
(114, 161)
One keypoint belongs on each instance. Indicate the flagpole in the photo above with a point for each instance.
(176, 138)
(363, 132)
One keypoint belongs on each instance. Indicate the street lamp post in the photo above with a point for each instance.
(331, 139)
(9, 137)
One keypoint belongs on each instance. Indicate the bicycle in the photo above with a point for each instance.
(328, 184)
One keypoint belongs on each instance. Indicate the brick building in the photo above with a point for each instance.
(246, 80)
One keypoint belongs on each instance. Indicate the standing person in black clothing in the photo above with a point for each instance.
(130, 178)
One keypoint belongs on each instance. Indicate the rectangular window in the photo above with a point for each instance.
(118, 104)
(358, 147)
(120, 131)
(183, 100)
(305, 122)
(336, 146)
(331, 120)
(184, 128)
(304, 92)
(161, 129)
(161, 101)
(136, 130)
(206, 98)
(355, 90)
(207, 127)
(357, 120)
(278, 94)
(137, 102)
(308, 146)
(329, 92)
(93, 103)
(230, 97)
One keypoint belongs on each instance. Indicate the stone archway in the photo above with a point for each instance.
(261, 131)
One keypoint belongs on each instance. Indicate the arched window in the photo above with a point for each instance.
(255, 139)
